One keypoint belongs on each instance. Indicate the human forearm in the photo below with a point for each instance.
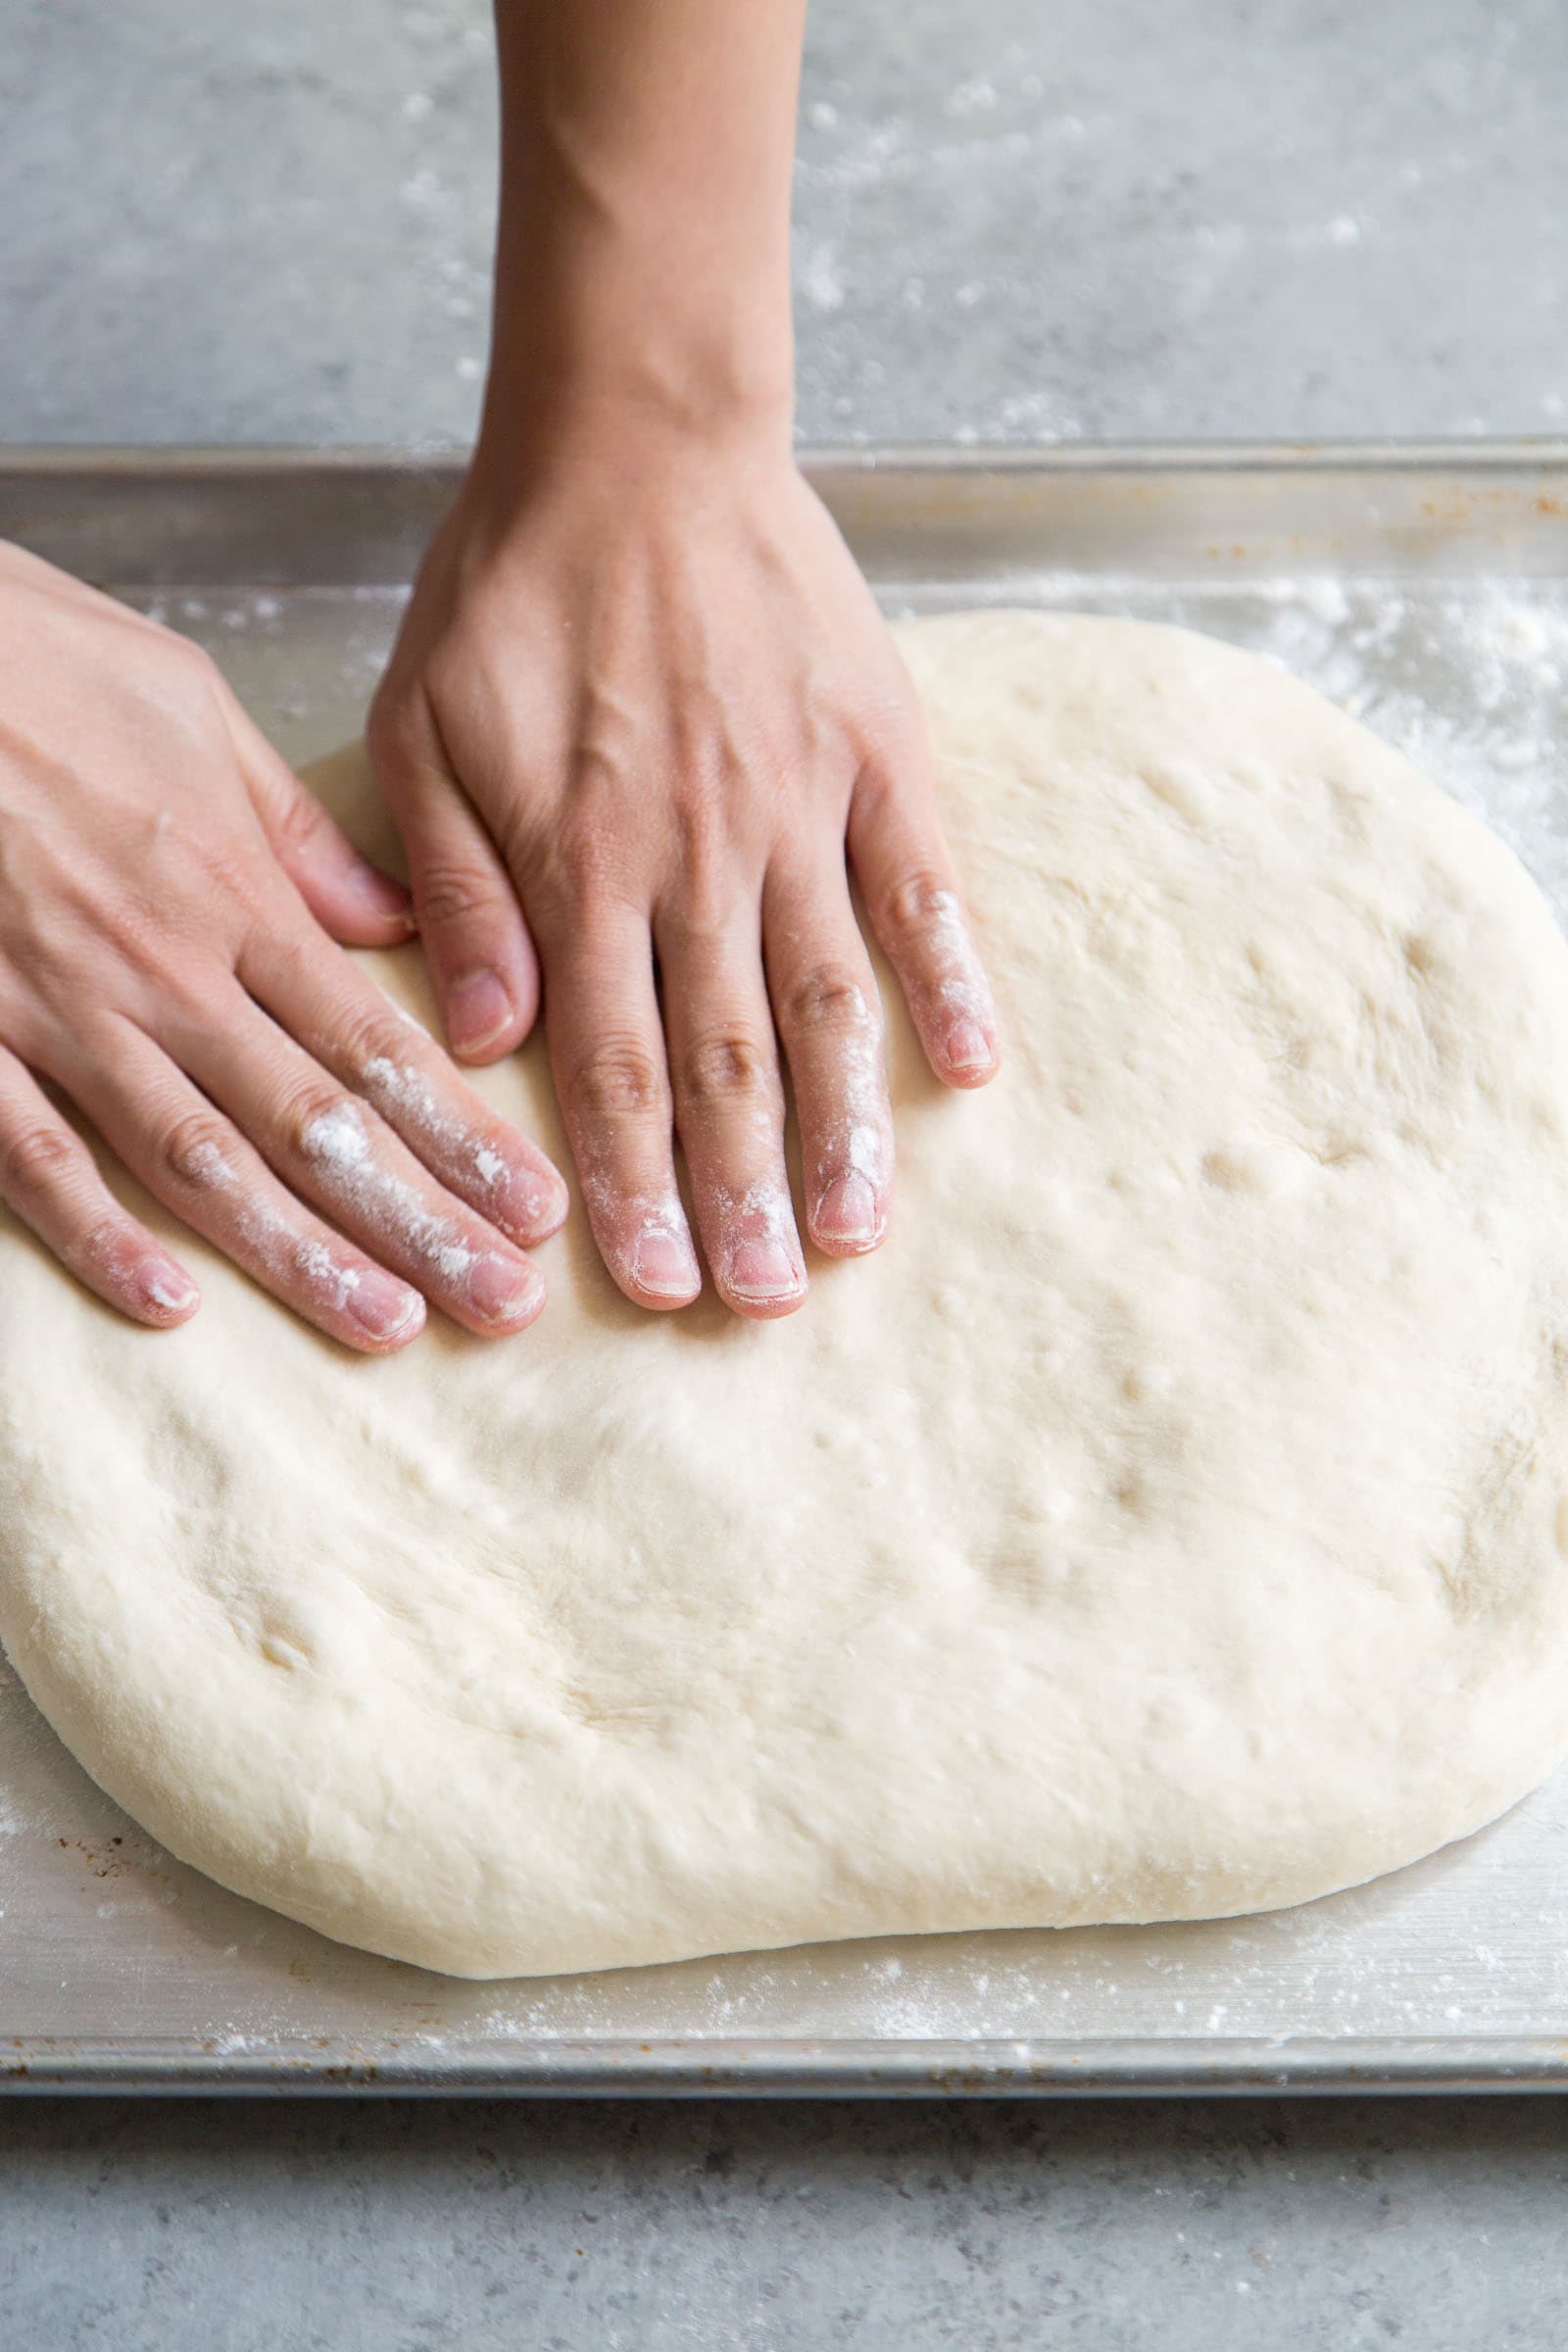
(642, 262)
(643, 718)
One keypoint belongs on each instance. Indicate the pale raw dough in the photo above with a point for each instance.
(1170, 1521)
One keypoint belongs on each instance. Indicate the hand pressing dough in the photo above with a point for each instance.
(1170, 1521)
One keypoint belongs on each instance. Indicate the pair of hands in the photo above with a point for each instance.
(637, 707)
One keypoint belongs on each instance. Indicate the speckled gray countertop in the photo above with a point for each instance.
(1016, 218)
(357, 2227)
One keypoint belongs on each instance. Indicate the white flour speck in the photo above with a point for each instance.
(405, 1098)
(963, 987)
(337, 1144)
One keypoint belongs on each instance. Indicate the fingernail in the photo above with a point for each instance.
(163, 1284)
(382, 1305)
(379, 892)
(665, 1265)
(503, 1293)
(533, 1205)
(967, 1047)
(478, 1010)
(847, 1212)
(762, 1270)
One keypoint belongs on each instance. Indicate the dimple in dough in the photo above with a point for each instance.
(1168, 1521)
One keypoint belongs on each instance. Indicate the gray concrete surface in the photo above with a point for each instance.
(1303, 2228)
(1015, 218)
(1092, 218)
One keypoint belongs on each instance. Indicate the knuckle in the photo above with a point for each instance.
(719, 881)
(38, 1158)
(371, 1037)
(706, 844)
(586, 865)
(189, 986)
(320, 1122)
(449, 894)
(918, 903)
(828, 996)
(300, 820)
(618, 1079)
(193, 1149)
(712, 904)
(727, 1066)
(519, 829)
(235, 877)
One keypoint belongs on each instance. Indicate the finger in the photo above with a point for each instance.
(332, 1149)
(190, 1158)
(729, 1111)
(911, 894)
(349, 896)
(607, 1053)
(829, 1020)
(481, 957)
(51, 1180)
(351, 1029)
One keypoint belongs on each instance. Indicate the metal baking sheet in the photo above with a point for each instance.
(1425, 588)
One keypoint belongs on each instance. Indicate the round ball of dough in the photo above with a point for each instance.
(1168, 1521)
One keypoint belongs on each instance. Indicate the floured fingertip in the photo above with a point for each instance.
(162, 1292)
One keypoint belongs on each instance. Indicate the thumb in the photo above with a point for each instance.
(476, 941)
(352, 900)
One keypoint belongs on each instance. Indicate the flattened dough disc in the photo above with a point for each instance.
(1168, 1521)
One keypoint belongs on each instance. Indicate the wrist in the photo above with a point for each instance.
(639, 398)
(614, 463)
(602, 330)
(628, 413)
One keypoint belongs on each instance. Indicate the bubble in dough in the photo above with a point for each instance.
(1168, 1521)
